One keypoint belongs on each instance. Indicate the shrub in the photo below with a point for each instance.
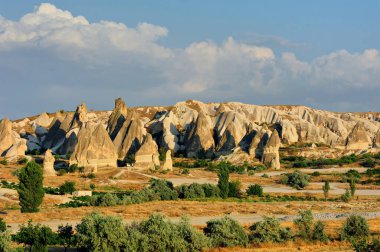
(107, 199)
(73, 168)
(4, 162)
(37, 237)
(326, 189)
(5, 241)
(370, 163)
(99, 233)
(66, 236)
(31, 191)
(352, 184)
(91, 175)
(346, 197)
(92, 186)
(191, 191)
(316, 174)
(296, 179)
(22, 161)
(319, 233)
(211, 191)
(185, 171)
(67, 187)
(355, 227)
(304, 224)
(61, 172)
(162, 152)
(164, 189)
(234, 189)
(223, 177)
(269, 230)
(3, 226)
(226, 232)
(363, 245)
(194, 240)
(255, 190)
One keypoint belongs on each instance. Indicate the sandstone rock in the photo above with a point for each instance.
(200, 139)
(94, 148)
(147, 156)
(376, 140)
(168, 164)
(43, 120)
(259, 141)
(48, 164)
(7, 138)
(358, 138)
(17, 150)
(117, 118)
(271, 156)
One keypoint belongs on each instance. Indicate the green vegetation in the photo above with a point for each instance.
(4, 162)
(296, 179)
(269, 230)
(355, 227)
(66, 236)
(223, 182)
(352, 184)
(67, 187)
(346, 197)
(255, 190)
(31, 191)
(326, 189)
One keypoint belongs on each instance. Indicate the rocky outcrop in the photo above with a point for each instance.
(259, 141)
(130, 136)
(271, 155)
(17, 150)
(200, 140)
(358, 138)
(48, 164)
(94, 148)
(147, 156)
(117, 118)
(43, 120)
(7, 137)
(376, 140)
(168, 164)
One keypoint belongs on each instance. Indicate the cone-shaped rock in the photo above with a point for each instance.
(271, 155)
(147, 156)
(17, 150)
(117, 118)
(358, 138)
(200, 139)
(258, 143)
(376, 141)
(168, 164)
(94, 148)
(7, 138)
(49, 164)
(43, 120)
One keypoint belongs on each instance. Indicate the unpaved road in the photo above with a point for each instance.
(243, 219)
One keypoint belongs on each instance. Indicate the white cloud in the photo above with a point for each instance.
(97, 62)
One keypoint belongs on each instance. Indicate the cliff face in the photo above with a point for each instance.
(197, 129)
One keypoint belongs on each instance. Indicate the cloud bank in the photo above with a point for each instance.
(51, 59)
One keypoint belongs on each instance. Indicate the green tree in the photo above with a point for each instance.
(223, 177)
(234, 189)
(66, 235)
(31, 191)
(99, 233)
(326, 189)
(36, 237)
(352, 184)
(67, 187)
(304, 224)
(346, 197)
(355, 227)
(226, 232)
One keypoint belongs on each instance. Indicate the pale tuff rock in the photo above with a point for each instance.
(80, 116)
(17, 150)
(94, 148)
(117, 118)
(200, 139)
(358, 138)
(21, 123)
(43, 120)
(49, 164)
(130, 136)
(170, 132)
(147, 156)
(271, 156)
(168, 164)
(259, 141)
(289, 132)
(7, 138)
(376, 140)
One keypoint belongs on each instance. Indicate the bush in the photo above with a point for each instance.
(355, 227)
(3, 226)
(4, 162)
(36, 237)
(226, 232)
(296, 179)
(346, 197)
(31, 191)
(363, 245)
(164, 189)
(73, 168)
(370, 163)
(5, 241)
(107, 199)
(352, 184)
(211, 191)
(255, 190)
(22, 161)
(234, 189)
(91, 175)
(194, 240)
(269, 230)
(191, 191)
(304, 224)
(185, 171)
(67, 187)
(316, 174)
(319, 233)
(66, 236)
(99, 233)
(326, 189)
(61, 172)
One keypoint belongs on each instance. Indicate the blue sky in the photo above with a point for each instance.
(307, 39)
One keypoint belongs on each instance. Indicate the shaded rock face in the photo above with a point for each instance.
(271, 156)
(168, 164)
(117, 118)
(376, 140)
(130, 136)
(200, 139)
(147, 156)
(7, 138)
(259, 141)
(94, 148)
(49, 164)
(358, 138)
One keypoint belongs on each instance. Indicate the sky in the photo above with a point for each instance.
(55, 55)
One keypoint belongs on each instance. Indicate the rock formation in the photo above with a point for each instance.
(168, 164)
(147, 156)
(259, 141)
(376, 140)
(117, 118)
(7, 138)
(94, 148)
(48, 164)
(17, 150)
(358, 138)
(200, 139)
(271, 155)
(43, 120)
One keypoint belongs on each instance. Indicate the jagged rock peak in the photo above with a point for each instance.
(80, 116)
(7, 138)
(117, 118)
(147, 156)
(358, 138)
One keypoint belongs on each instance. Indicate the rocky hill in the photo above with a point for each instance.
(235, 131)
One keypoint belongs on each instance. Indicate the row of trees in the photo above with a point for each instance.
(98, 232)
